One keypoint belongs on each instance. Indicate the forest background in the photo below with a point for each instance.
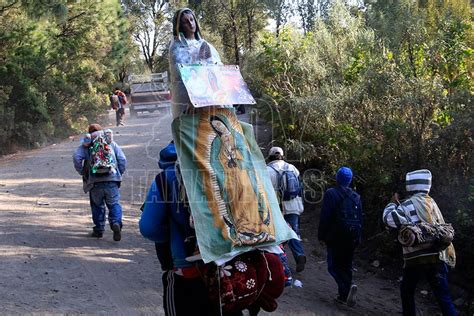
(382, 86)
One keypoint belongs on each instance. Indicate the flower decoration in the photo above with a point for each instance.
(241, 266)
(225, 271)
(250, 283)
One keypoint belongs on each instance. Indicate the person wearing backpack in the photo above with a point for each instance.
(166, 222)
(286, 182)
(101, 178)
(340, 226)
(187, 290)
(421, 260)
(118, 99)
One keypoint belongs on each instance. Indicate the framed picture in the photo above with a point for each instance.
(215, 85)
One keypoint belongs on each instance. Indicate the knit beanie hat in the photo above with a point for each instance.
(344, 176)
(418, 181)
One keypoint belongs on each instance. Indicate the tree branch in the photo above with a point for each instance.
(8, 6)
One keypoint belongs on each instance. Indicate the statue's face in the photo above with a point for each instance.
(220, 127)
(187, 25)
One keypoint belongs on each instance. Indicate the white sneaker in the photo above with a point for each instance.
(351, 297)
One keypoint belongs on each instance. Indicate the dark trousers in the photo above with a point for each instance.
(340, 267)
(119, 114)
(437, 277)
(188, 296)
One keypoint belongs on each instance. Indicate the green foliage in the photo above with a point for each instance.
(385, 91)
(236, 22)
(58, 60)
(149, 25)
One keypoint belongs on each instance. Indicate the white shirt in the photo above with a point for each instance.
(294, 206)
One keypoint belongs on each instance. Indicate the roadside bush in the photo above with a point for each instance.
(343, 95)
(56, 67)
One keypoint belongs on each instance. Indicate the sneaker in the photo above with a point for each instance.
(117, 231)
(300, 263)
(351, 297)
(97, 234)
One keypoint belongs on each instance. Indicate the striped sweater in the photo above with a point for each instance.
(394, 216)
(419, 207)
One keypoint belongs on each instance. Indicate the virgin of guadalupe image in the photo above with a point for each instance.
(216, 92)
(234, 190)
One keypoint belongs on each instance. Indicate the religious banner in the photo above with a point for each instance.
(230, 193)
(215, 85)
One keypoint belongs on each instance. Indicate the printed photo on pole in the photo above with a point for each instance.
(215, 85)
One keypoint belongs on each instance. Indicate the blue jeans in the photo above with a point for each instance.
(101, 195)
(295, 245)
(340, 268)
(437, 276)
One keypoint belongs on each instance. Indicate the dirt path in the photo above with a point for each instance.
(49, 265)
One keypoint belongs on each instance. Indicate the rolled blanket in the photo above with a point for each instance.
(406, 235)
(440, 235)
(445, 234)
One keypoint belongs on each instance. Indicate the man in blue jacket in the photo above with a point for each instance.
(165, 220)
(340, 230)
(103, 188)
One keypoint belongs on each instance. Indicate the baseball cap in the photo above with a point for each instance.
(275, 150)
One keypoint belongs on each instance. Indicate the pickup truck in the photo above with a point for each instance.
(149, 93)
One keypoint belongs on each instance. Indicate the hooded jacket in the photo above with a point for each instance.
(164, 220)
(184, 51)
(419, 207)
(332, 200)
(81, 159)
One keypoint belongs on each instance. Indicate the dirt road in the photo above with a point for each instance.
(50, 265)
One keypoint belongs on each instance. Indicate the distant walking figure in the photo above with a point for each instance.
(101, 163)
(118, 99)
(340, 230)
(285, 180)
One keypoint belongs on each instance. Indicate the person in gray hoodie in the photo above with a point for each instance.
(104, 188)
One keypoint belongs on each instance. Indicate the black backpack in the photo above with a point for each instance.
(348, 218)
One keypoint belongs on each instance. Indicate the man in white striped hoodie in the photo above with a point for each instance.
(421, 260)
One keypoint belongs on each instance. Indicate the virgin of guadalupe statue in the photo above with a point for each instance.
(188, 48)
(242, 209)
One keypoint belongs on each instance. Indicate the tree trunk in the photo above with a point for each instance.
(249, 33)
(278, 22)
(234, 33)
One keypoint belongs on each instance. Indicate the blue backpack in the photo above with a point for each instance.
(349, 217)
(288, 183)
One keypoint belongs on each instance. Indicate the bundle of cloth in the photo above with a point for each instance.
(440, 235)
